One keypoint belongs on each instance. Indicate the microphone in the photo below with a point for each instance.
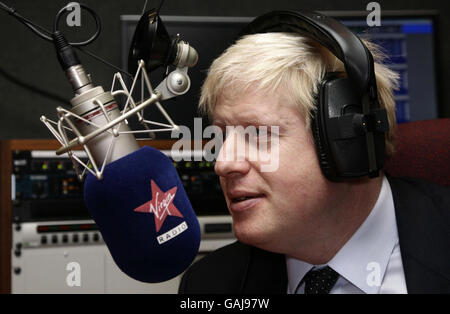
(144, 216)
(95, 107)
(134, 194)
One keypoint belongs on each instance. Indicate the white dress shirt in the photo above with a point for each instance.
(370, 261)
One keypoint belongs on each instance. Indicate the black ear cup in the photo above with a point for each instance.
(339, 128)
(323, 153)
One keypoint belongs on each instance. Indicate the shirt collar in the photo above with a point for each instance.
(364, 258)
(296, 270)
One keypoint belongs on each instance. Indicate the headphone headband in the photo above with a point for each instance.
(330, 33)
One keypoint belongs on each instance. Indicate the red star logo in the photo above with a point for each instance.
(161, 205)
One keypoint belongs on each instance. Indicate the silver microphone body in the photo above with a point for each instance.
(99, 107)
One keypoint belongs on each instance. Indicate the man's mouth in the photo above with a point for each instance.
(244, 201)
(244, 198)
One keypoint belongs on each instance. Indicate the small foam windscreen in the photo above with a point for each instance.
(144, 216)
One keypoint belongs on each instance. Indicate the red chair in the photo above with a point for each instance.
(422, 151)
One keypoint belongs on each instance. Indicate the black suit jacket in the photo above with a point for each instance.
(423, 221)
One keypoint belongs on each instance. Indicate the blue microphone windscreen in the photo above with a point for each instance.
(144, 216)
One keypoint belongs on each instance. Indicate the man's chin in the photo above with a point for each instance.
(250, 236)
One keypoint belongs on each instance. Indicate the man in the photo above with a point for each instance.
(299, 232)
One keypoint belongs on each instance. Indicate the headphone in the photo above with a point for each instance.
(348, 124)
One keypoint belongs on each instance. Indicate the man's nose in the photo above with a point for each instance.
(232, 157)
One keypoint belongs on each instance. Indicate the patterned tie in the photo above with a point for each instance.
(320, 281)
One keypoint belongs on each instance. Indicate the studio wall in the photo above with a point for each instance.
(28, 63)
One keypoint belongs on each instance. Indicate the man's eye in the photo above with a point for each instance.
(262, 132)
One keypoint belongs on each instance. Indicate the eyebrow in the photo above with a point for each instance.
(247, 121)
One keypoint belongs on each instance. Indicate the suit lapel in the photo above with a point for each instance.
(424, 235)
(265, 274)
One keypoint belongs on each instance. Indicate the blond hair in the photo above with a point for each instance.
(296, 64)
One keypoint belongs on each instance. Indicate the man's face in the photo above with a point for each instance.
(284, 206)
